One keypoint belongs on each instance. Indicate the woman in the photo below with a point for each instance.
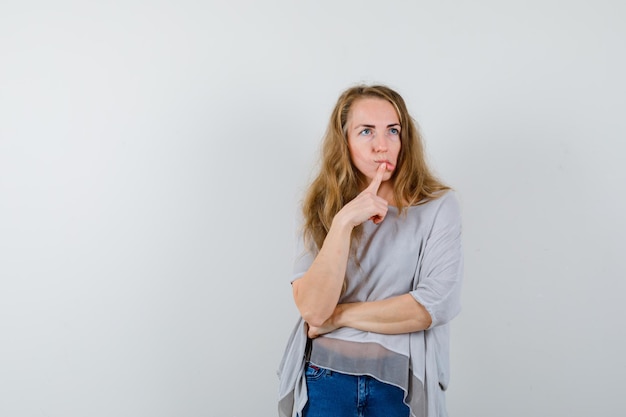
(378, 275)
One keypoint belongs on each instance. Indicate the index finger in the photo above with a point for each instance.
(378, 178)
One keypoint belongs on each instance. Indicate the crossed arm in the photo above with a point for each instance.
(400, 314)
(317, 292)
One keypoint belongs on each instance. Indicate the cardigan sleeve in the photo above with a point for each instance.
(440, 269)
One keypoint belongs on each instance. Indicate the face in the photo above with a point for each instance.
(373, 136)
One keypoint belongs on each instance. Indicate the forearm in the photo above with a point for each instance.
(396, 315)
(317, 292)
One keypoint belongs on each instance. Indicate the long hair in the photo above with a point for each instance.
(339, 181)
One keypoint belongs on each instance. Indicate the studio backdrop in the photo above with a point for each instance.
(153, 156)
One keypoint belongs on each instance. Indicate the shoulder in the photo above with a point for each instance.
(449, 202)
(447, 215)
(442, 211)
(446, 201)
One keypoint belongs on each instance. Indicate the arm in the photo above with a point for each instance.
(317, 292)
(395, 315)
(435, 300)
(441, 269)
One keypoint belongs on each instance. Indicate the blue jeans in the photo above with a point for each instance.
(333, 394)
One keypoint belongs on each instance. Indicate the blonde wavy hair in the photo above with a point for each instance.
(339, 181)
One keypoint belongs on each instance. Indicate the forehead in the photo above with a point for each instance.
(371, 110)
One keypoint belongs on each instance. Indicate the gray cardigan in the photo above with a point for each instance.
(417, 252)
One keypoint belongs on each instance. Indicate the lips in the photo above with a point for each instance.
(390, 166)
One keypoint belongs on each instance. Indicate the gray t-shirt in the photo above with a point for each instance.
(417, 252)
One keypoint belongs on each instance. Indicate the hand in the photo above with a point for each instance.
(314, 332)
(367, 205)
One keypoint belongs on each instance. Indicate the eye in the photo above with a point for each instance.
(394, 131)
(365, 132)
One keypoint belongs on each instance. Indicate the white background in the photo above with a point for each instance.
(153, 154)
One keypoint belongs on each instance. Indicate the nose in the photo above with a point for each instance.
(380, 143)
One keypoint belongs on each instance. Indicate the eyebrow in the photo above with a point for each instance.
(372, 126)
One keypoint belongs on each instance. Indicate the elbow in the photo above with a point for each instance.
(312, 311)
(421, 319)
(314, 318)
(445, 317)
